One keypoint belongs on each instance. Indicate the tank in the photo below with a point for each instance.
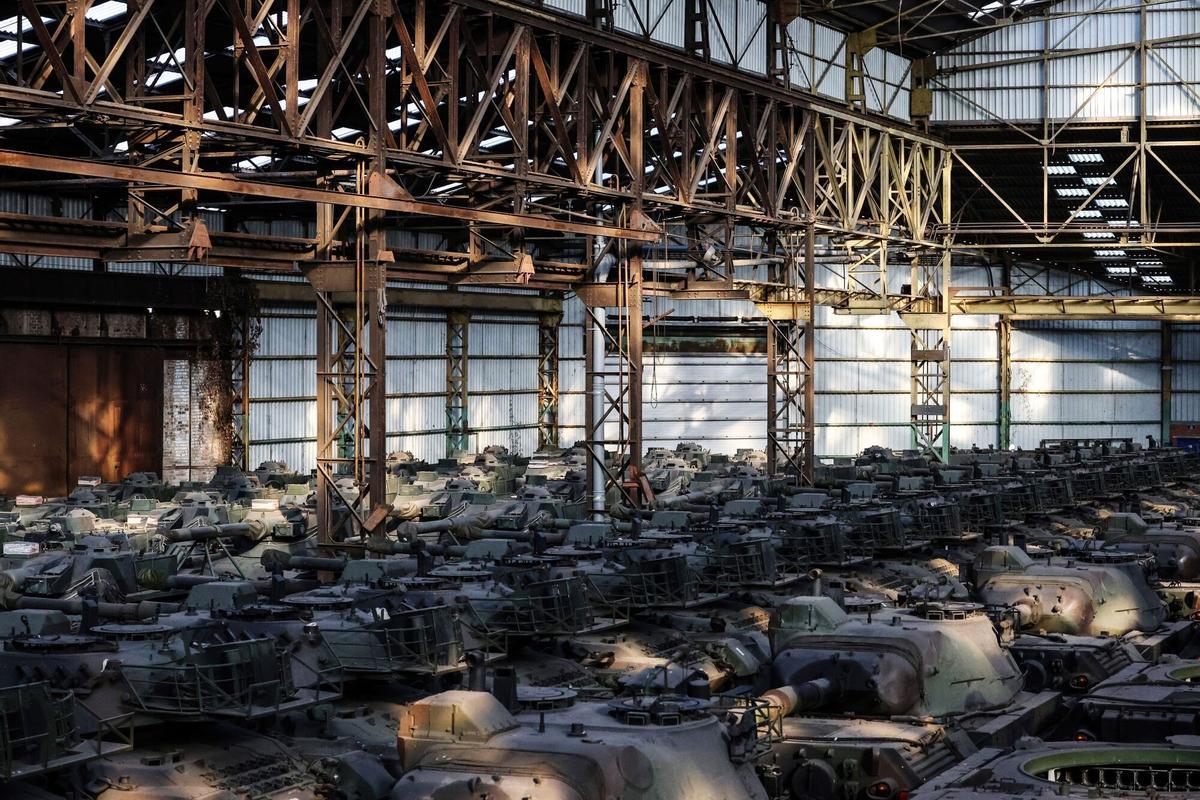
(40, 734)
(661, 748)
(1140, 703)
(1176, 547)
(221, 761)
(1093, 594)
(828, 758)
(1075, 770)
(179, 670)
(933, 660)
(1071, 664)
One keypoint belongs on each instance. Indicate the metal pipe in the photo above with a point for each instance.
(596, 423)
(596, 349)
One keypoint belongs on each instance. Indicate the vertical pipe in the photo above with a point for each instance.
(598, 405)
(597, 408)
(247, 351)
(1004, 347)
(633, 289)
(947, 267)
(373, 247)
(810, 301)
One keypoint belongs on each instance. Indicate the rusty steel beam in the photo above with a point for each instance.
(237, 186)
(601, 103)
(1169, 308)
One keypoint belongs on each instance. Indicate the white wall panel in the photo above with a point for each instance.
(1084, 381)
(718, 400)
(502, 383)
(1091, 72)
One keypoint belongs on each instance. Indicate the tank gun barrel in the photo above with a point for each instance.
(204, 533)
(141, 610)
(289, 585)
(387, 547)
(679, 501)
(272, 558)
(453, 522)
(805, 696)
(549, 537)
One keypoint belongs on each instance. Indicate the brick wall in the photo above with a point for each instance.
(193, 444)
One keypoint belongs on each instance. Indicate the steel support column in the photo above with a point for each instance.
(458, 325)
(929, 327)
(614, 353)
(929, 351)
(351, 292)
(791, 340)
(548, 364)
(1167, 361)
(790, 386)
(351, 438)
(1004, 383)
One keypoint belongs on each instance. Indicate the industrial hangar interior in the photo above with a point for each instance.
(599, 399)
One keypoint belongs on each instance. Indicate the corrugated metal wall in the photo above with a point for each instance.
(1067, 378)
(283, 422)
(1085, 380)
(716, 399)
(1185, 387)
(737, 35)
(283, 388)
(863, 385)
(572, 374)
(502, 383)
(1080, 64)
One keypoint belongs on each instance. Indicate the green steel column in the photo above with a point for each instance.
(1167, 359)
(1004, 381)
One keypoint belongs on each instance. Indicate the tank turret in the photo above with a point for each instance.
(1095, 593)
(935, 659)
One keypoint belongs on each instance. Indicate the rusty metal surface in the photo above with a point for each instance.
(115, 401)
(67, 411)
(33, 419)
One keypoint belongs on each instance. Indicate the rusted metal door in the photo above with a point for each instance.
(33, 419)
(72, 410)
(115, 411)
